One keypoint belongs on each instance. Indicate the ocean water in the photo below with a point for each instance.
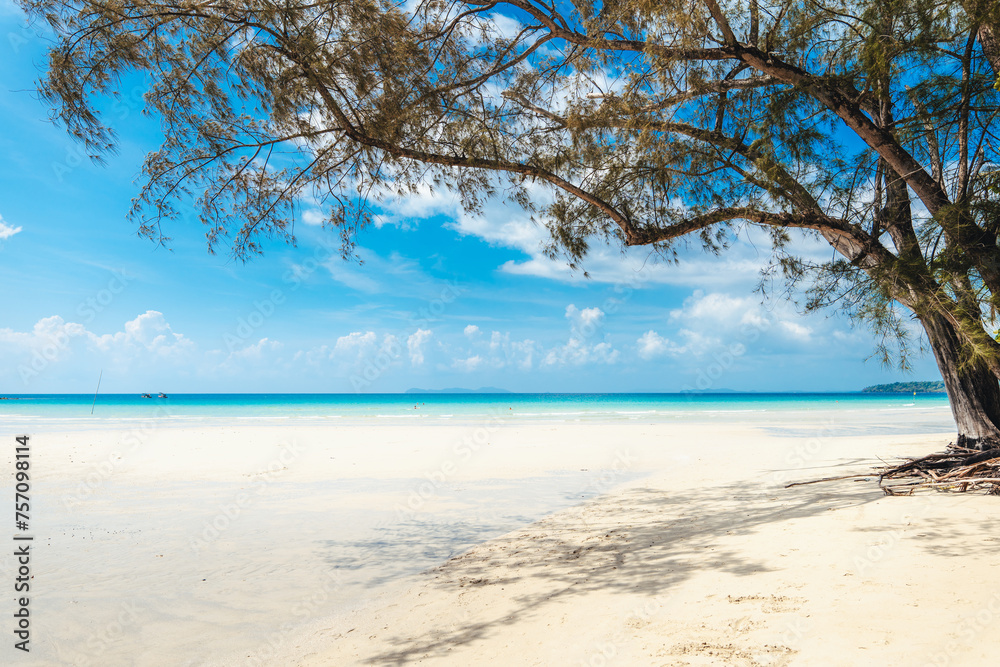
(849, 411)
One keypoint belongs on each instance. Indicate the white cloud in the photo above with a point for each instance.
(717, 314)
(507, 352)
(505, 228)
(313, 217)
(715, 308)
(415, 344)
(424, 202)
(6, 231)
(796, 331)
(354, 343)
(468, 365)
(652, 345)
(707, 321)
(577, 352)
(499, 351)
(257, 350)
(396, 273)
(696, 343)
(312, 356)
(586, 321)
(584, 324)
(51, 336)
(362, 350)
(150, 332)
(60, 350)
(507, 27)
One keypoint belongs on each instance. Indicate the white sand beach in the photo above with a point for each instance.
(500, 543)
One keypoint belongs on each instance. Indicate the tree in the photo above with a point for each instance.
(869, 123)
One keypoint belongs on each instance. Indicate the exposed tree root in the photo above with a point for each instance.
(957, 469)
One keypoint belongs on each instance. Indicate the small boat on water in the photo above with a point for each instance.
(146, 396)
(162, 395)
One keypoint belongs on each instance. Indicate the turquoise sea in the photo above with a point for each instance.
(921, 413)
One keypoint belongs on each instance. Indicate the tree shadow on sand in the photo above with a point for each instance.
(402, 548)
(587, 549)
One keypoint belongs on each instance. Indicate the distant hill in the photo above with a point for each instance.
(907, 388)
(458, 390)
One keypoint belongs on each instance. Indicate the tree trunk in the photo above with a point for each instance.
(973, 390)
(990, 41)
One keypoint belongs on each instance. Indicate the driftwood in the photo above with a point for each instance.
(957, 469)
(826, 479)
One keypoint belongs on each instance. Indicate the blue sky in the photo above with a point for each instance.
(443, 299)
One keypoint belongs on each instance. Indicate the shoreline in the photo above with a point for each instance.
(918, 420)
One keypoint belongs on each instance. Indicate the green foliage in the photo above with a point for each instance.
(930, 387)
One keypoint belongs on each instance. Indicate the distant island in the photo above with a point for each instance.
(459, 390)
(907, 388)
